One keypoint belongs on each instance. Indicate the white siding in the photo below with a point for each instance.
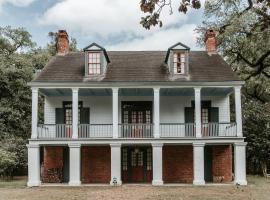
(171, 107)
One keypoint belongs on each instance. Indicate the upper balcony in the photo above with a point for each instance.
(167, 130)
(142, 113)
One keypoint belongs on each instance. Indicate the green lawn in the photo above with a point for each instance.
(258, 189)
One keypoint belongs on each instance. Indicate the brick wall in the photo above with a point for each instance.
(222, 163)
(178, 164)
(96, 164)
(52, 164)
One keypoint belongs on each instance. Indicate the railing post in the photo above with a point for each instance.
(198, 125)
(115, 111)
(34, 134)
(75, 109)
(238, 110)
(156, 112)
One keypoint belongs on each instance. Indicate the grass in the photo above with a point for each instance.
(16, 182)
(258, 189)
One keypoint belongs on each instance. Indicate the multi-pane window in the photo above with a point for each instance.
(179, 61)
(205, 115)
(149, 159)
(68, 112)
(124, 159)
(94, 63)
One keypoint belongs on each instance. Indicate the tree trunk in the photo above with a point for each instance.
(264, 168)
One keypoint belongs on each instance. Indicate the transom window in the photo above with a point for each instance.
(179, 61)
(94, 63)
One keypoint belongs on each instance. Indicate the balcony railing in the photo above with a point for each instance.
(221, 129)
(135, 130)
(54, 131)
(177, 130)
(95, 130)
(167, 130)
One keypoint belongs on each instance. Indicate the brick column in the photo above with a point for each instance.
(74, 164)
(240, 163)
(33, 165)
(116, 164)
(157, 164)
(198, 163)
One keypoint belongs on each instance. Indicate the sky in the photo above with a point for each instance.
(114, 24)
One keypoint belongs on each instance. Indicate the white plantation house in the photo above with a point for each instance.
(136, 117)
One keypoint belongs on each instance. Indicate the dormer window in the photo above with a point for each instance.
(179, 61)
(96, 60)
(94, 63)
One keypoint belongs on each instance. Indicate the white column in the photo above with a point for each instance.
(74, 164)
(34, 112)
(115, 111)
(157, 164)
(33, 165)
(116, 164)
(238, 110)
(198, 163)
(240, 163)
(198, 125)
(75, 96)
(156, 113)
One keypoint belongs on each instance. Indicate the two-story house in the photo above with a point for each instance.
(118, 117)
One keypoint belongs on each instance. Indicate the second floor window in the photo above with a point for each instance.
(94, 63)
(179, 61)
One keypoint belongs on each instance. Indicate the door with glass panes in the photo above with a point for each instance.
(136, 119)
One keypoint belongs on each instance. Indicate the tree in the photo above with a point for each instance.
(154, 7)
(257, 132)
(19, 59)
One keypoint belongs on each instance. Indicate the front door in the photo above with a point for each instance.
(137, 119)
(137, 164)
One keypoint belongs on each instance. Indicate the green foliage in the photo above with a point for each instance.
(257, 132)
(154, 7)
(19, 59)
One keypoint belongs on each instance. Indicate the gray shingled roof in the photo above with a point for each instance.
(137, 66)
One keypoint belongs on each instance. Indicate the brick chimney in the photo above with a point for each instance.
(62, 42)
(210, 41)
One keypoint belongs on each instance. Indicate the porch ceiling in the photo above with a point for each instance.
(137, 92)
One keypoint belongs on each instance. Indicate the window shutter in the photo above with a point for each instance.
(214, 118)
(189, 115)
(84, 116)
(214, 114)
(59, 116)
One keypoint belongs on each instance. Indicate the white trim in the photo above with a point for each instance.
(116, 164)
(74, 164)
(171, 84)
(197, 94)
(34, 112)
(238, 110)
(157, 164)
(198, 163)
(75, 111)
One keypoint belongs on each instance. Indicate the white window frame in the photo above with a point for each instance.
(179, 62)
(94, 63)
